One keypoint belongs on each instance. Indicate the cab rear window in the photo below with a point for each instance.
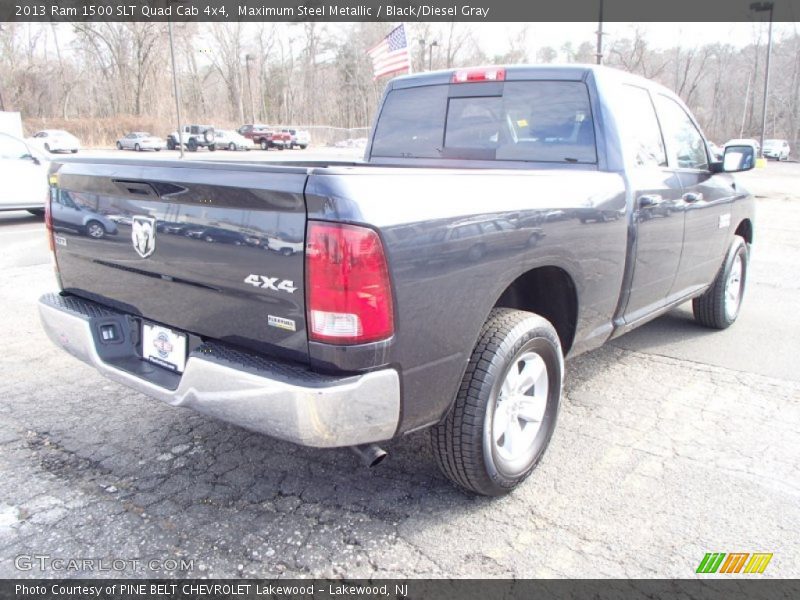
(541, 121)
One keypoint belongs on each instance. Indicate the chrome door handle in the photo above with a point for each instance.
(649, 201)
(692, 197)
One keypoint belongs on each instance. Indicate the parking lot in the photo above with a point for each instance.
(673, 441)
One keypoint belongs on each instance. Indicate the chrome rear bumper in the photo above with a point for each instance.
(285, 401)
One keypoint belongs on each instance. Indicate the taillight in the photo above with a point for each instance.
(482, 74)
(348, 292)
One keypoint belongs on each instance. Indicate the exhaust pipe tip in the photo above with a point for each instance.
(371, 455)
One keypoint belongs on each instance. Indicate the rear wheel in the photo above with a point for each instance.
(719, 306)
(506, 408)
(231, 146)
(192, 145)
(264, 145)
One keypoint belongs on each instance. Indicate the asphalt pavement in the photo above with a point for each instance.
(673, 441)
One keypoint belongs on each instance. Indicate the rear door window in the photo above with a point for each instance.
(685, 145)
(640, 129)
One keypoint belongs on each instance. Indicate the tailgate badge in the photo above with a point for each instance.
(143, 234)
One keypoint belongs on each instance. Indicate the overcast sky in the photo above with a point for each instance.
(494, 37)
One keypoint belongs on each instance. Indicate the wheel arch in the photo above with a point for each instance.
(745, 230)
(550, 292)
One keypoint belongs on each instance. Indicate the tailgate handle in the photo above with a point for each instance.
(137, 188)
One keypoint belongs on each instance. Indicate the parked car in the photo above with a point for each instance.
(193, 137)
(299, 138)
(216, 235)
(284, 244)
(777, 149)
(140, 140)
(71, 211)
(229, 139)
(23, 171)
(347, 342)
(744, 142)
(266, 137)
(55, 140)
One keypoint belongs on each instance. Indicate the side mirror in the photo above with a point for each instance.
(31, 158)
(737, 159)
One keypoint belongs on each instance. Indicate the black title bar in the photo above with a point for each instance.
(398, 10)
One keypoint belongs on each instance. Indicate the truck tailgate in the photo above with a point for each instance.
(211, 249)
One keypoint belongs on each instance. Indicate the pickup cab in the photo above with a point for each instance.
(502, 219)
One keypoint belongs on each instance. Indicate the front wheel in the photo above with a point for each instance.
(119, 146)
(231, 146)
(95, 230)
(137, 147)
(506, 408)
(264, 145)
(719, 306)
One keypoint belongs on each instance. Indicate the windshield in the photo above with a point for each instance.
(542, 121)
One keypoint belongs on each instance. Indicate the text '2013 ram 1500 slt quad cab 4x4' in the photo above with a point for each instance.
(502, 219)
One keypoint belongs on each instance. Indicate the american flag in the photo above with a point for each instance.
(391, 55)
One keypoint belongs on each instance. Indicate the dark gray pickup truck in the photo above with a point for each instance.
(502, 219)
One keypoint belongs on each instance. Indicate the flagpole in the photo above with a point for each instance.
(410, 54)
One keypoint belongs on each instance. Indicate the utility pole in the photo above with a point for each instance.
(247, 59)
(175, 85)
(764, 7)
(599, 53)
(430, 54)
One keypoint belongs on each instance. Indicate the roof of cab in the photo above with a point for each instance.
(550, 72)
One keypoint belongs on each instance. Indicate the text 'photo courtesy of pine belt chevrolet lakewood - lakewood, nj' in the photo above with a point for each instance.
(503, 219)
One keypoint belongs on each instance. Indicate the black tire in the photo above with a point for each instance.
(192, 145)
(302, 147)
(464, 442)
(74, 151)
(232, 147)
(95, 229)
(264, 145)
(718, 307)
(119, 146)
(137, 147)
(212, 147)
(171, 145)
(157, 149)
